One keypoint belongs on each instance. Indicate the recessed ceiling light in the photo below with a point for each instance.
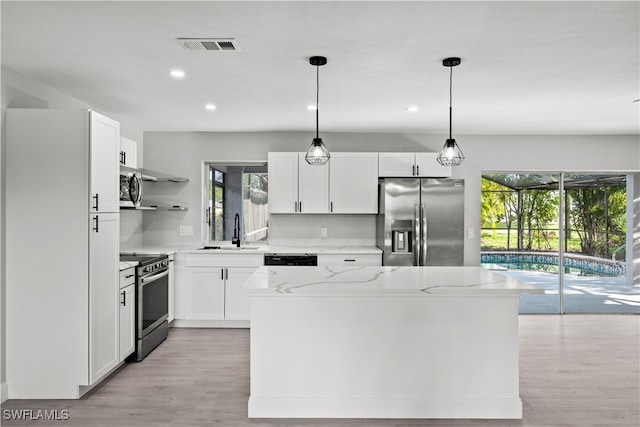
(176, 74)
(210, 107)
(411, 109)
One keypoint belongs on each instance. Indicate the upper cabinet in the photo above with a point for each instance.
(411, 164)
(104, 175)
(128, 153)
(295, 186)
(346, 184)
(353, 183)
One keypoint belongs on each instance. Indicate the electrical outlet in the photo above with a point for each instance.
(186, 230)
(471, 233)
(323, 232)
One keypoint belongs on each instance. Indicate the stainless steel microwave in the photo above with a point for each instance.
(130, 189)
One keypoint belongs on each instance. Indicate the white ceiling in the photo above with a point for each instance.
(541, 67)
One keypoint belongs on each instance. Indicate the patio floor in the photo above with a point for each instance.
(582, 294)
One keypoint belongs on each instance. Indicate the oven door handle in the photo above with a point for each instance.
(146, 280)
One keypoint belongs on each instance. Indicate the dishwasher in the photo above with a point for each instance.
(291, 259)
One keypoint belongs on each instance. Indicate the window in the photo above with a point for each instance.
(230, 189)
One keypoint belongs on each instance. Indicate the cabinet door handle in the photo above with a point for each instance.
(124, 157)
(418, 170)
(300, 206)
(96, 199)
(124, 299)
(413, 170)
(295, 206)
(95, 223)
(331, 207)
(349, 260)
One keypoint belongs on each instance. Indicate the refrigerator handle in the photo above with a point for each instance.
(416, 235)
(423, 249)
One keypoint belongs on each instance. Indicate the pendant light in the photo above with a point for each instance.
(317, 154)
(450, 155)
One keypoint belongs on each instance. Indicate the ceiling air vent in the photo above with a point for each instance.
(229, 45)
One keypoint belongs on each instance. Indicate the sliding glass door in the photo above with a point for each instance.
(568, 233)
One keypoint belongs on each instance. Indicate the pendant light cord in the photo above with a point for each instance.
(450, 97)
(317, 97)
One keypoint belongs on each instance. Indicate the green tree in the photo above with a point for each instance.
(599, 217)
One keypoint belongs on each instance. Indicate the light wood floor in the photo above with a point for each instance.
(575, 370)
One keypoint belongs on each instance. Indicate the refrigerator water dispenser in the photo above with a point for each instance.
(401, 236)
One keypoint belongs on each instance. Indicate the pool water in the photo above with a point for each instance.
(548, 262)
(548, 268)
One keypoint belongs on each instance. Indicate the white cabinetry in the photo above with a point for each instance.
(411, 164)
(237, 305)
(295, 186)
(204, 293)
(349, 259)
(353, 183)
(209, 292)
(346, 184)
(62, 172)
(103, 295)
(128, 155)
(127, 312)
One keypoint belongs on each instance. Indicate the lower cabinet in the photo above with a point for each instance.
(127, 304)
(204, 293)
(127, 320)
(208, 289)
(237, 305)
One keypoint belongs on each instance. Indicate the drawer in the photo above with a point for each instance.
(347, 259)
(127, 277)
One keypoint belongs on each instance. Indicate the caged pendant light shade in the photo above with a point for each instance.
(450, 155)
(317, 154)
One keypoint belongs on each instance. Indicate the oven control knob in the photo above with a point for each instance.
(146, 269)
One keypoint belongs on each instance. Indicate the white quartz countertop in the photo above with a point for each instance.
(320, 250)
(127, 264)
(328, 281)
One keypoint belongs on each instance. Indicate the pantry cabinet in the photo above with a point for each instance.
(104, 313)
(411, 164)
(62, 169)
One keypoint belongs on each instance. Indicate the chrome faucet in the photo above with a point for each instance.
(236, 231)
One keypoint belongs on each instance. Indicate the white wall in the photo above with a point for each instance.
(183, 153)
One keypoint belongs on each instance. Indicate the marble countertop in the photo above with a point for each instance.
(370, 280)
(258, 248)
(127, 264)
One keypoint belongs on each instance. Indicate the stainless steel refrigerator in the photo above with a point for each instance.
(421, 221)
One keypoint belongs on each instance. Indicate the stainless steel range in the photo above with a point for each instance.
(152, 296)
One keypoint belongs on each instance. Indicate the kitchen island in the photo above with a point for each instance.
(384, 342)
